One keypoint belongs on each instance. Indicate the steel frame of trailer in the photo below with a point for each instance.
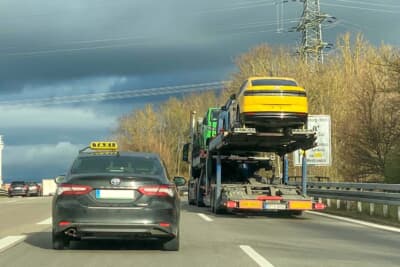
(273, 142)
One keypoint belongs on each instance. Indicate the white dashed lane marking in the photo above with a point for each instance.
(45, 222)
(205, 217)
(10, 241)
(260, 260)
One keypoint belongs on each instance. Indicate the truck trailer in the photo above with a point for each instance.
(236, 171)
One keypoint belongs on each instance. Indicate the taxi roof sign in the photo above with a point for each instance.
(103, 145)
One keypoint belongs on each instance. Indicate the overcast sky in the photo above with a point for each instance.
(65, 49)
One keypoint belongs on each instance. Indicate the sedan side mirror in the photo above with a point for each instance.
(59, 179)
(179, 180)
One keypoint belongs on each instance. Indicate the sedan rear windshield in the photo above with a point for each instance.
(17, 183)
(140, 166)
(277, 82)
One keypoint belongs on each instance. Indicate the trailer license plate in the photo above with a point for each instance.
(114, 194)
(250, 204)
(274, 206)
(300, 205)
(245, 130)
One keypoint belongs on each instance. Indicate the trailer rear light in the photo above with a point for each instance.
(157, 190)
(72, 189)
(269, 198)
(164, 224)
(64, 223)
(231, 204)
(319, 206)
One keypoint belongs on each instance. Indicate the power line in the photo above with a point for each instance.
(135, 93)
(368, 3)
(363, 8)
(232, 8)
(244, 26)
(55, 51)
(264, 22)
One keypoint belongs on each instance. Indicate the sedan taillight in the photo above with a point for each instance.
(73, 189)
(157, 190)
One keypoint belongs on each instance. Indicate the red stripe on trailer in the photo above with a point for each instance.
(269, 198)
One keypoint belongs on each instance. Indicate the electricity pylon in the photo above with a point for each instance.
(312, 45)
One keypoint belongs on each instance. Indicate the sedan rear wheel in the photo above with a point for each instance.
(172, 244)
(60, 241)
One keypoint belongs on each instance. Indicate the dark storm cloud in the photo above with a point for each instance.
(61, 40)
(48, 40)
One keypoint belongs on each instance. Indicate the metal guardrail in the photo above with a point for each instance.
(3, 192)
(388, 194)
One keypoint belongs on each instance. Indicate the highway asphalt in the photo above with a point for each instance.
(206, 240)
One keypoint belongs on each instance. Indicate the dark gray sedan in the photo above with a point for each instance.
(117, 195)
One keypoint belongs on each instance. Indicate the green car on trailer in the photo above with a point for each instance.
(209, 125)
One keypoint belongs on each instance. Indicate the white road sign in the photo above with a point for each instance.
(320, 155)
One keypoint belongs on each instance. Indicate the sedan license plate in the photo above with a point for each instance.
(274, 206)
(114, 194)
(250, 204)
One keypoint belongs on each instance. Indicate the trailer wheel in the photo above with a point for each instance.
(199, 203)
(220, 211)
(191, 202)
(295, 213)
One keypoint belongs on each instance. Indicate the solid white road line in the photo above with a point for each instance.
(260, 260)
(205, 217)
(374, 225)
(10, 241)
(46, 222)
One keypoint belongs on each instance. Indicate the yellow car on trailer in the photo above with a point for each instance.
(267, 103)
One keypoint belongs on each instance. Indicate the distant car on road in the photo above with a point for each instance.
(116, 195)
(34, 189)
(18, 188)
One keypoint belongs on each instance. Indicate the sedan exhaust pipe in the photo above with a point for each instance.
(71, 232)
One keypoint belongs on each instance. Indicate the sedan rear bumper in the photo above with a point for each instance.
(117, 231)
(275, 119)
(17, 193)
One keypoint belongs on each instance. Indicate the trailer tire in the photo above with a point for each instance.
(219, 211)
(295, 213)
(191, 202)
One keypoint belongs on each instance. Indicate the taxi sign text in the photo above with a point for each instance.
(103, 146)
